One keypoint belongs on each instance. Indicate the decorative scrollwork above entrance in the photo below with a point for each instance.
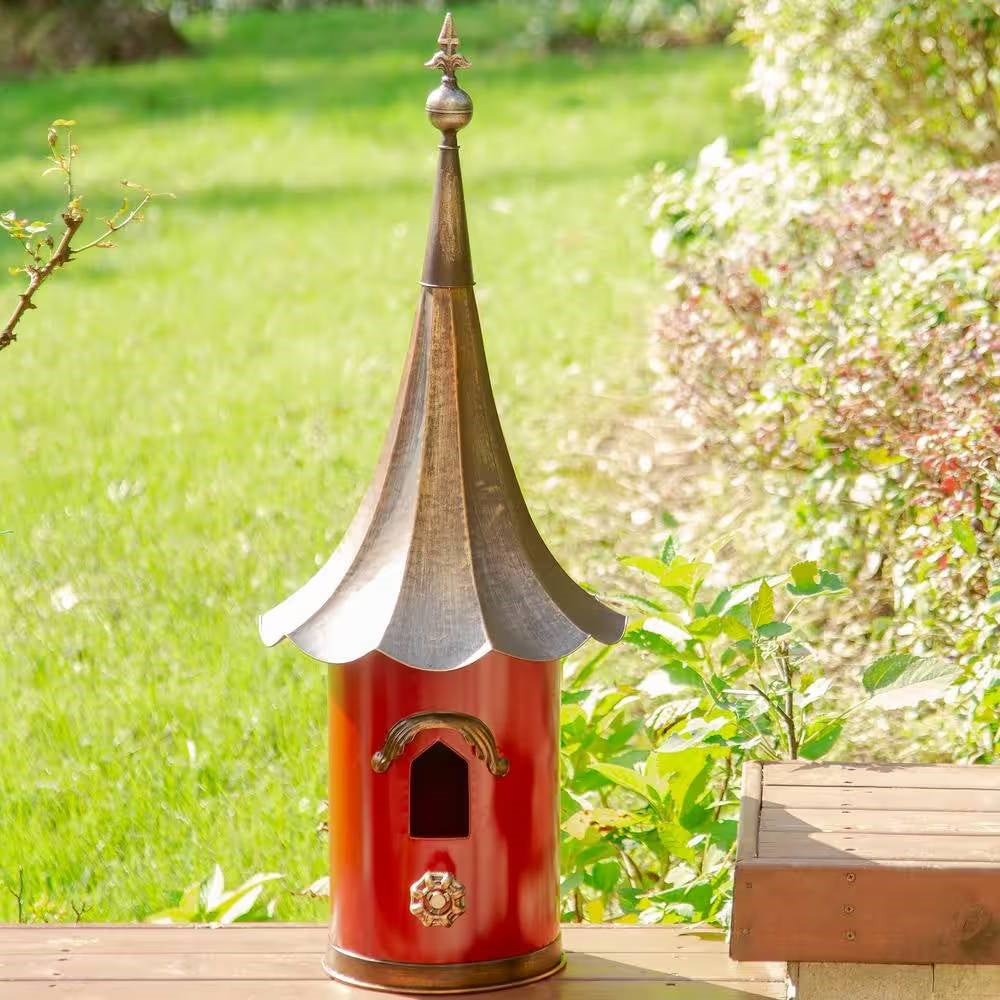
(474, 731)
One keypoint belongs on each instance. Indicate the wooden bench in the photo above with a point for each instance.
(282, 962)
(872, 881)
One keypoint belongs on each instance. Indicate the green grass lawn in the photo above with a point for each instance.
(188, 422)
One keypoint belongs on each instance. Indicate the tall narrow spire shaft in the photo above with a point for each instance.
(448, 261)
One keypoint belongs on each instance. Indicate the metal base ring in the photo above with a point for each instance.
(465, 977)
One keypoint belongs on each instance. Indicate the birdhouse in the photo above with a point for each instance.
(443, 616)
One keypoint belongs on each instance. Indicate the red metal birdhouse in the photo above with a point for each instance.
(443, 616)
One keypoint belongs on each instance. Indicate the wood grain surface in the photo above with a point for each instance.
(282, 962)
(870, 863)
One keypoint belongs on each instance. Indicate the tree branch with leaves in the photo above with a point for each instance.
(47, 252)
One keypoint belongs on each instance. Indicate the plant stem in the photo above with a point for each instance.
(19, 895)
(789, 712)
(72, 219)
(112, 228)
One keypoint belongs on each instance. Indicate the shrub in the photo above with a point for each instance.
(650, 771)
(55, 34)
(660, 23)
(833, 322)
(841, 75)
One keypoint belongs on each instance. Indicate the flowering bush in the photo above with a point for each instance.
(833, 320)
(841, 75)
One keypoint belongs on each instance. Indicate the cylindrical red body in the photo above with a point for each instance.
(508, 863)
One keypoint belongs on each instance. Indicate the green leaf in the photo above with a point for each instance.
(759, 277)
(904, 679)
(676, 675)
(965, 536)
(774, 629)
(240, 901)
(606, 876)
(805, 574)
(822, 743)
(808, 580)
(648, 564)
(651, 641)
(571, 882)
(210, 894)
(762, 606)
(734, 628)
(669, 550)
(639, 601)
(707, 625)
(626, 778)
(884, 671)
(685, 574)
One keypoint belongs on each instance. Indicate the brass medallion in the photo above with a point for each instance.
(437, 899)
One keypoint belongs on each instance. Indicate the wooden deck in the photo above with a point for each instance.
(282, 962)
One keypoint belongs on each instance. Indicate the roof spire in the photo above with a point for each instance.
(447, 58)
(443, 563)
(448, 261)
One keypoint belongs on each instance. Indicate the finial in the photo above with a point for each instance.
(448, 58)
(449, 107)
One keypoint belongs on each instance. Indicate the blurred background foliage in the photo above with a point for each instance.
(815, 406)
(52, 34)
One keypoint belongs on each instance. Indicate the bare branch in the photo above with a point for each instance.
(19, 895)
(45, 255)
(72, 219)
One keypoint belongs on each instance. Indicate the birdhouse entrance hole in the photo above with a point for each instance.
(439, 793)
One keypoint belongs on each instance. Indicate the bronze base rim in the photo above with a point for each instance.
(426, 979)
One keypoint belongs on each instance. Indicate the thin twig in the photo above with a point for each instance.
(72, 219)
(113, 227)
(19, 895)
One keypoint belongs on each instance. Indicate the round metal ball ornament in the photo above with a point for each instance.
(443, 617)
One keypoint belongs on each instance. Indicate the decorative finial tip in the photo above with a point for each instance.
(449, 107)
(448, 59)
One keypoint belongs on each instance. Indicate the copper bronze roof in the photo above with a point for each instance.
(442, 562)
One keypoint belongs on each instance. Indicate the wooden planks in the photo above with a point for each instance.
(903, 821)
(907, 799)
(272, 961)
(959, 776)
(871, 863)
(751, 792)
(822, 845)
(866, 914)
(103, 939)
(554, 989)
